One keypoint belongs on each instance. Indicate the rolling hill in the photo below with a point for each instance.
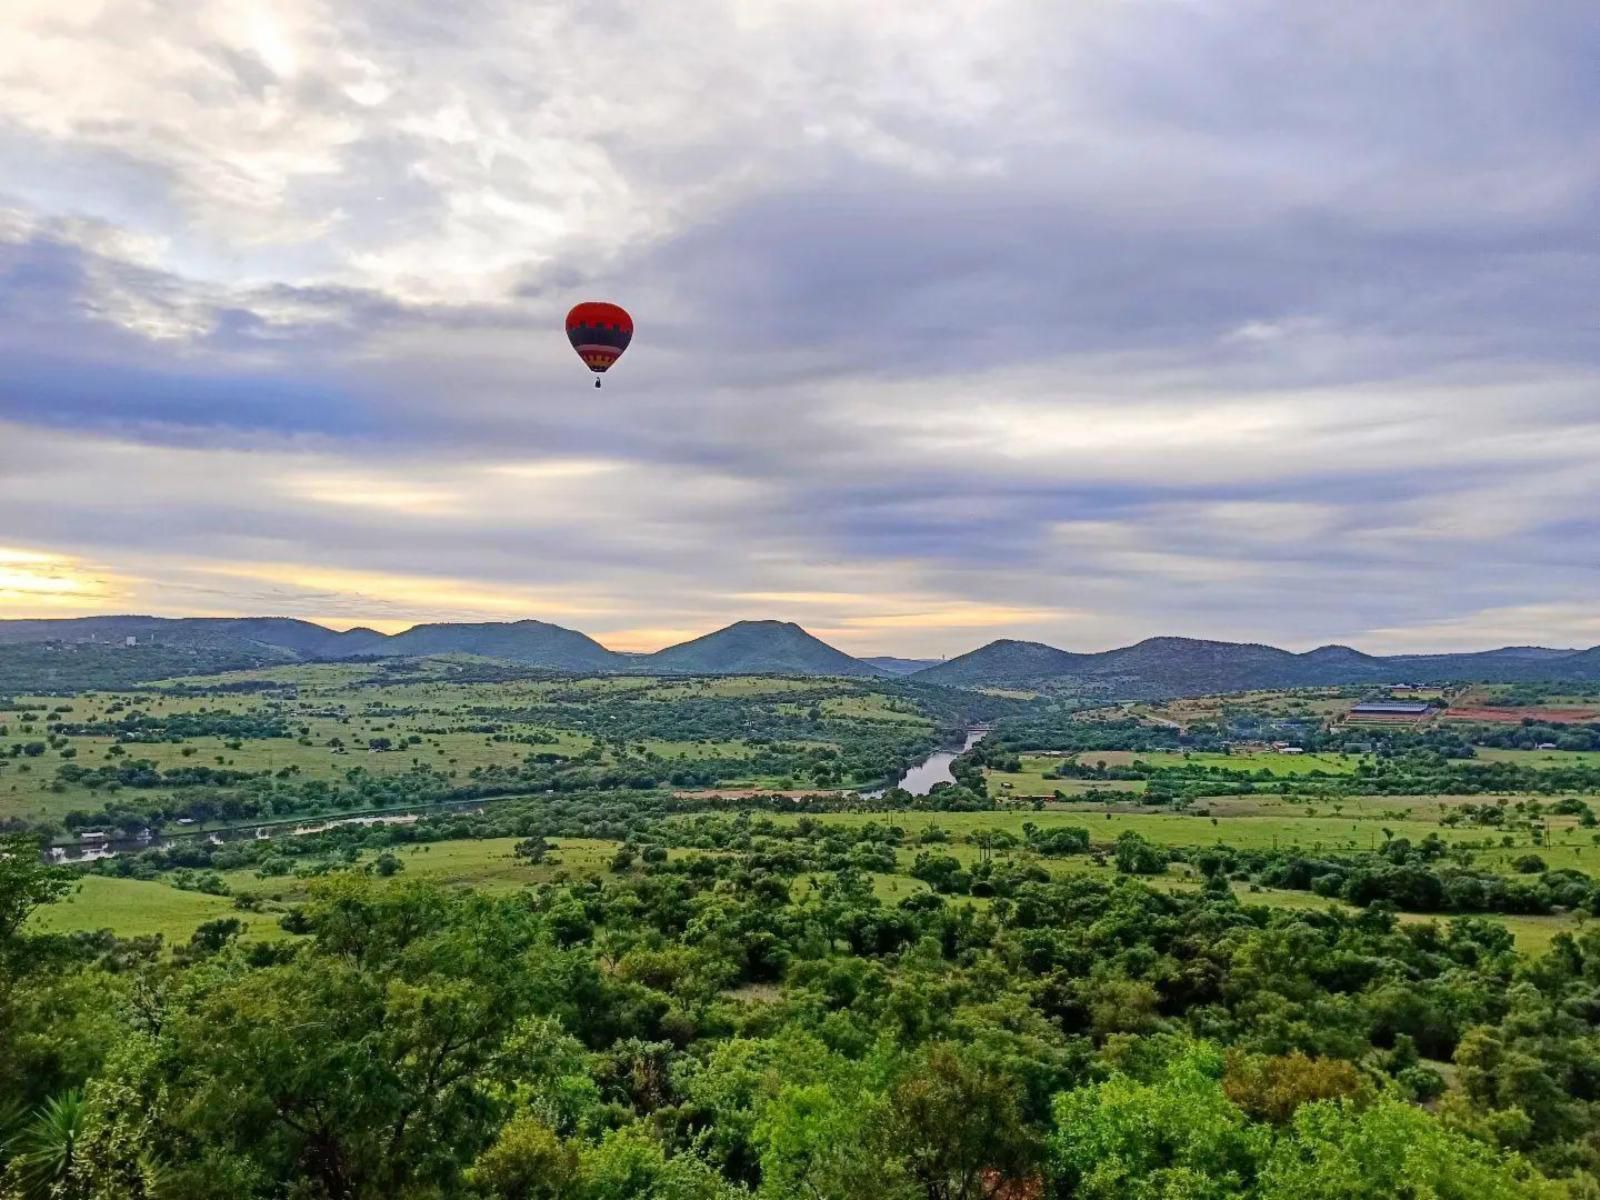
(1154, 668)
(758, 648)
(536, 643)
(1005, 663)
(203, 644)
(1170, 666)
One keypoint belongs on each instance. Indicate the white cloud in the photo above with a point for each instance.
(1080, 324)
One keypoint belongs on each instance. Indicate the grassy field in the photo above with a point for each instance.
(1539, 759)
(487, 864)
(1273, 762)
(872, 708)
(335, 712)
(1254, 832)
(133, 908)
(1030, 780)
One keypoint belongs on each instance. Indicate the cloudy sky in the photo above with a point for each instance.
(1079, 322)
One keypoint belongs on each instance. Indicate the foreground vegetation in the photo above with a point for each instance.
(698, 1026)
(1141, 951)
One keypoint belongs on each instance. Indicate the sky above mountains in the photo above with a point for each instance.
(1075, 323)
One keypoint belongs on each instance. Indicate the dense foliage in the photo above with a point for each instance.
(708, 1026)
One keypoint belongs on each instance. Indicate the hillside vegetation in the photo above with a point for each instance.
(456, 927)
(89, 652)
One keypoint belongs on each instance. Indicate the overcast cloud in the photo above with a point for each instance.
(1079, 323)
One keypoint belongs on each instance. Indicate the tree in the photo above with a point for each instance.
(1138, 856)
(364, 1062)
(1390, 1151)
(526, 1161)
(26, 883)
(1177, 1136)
(957, 1127)
(629, 1164)
(815, 1144)
(531, 850)
(1273, 1087)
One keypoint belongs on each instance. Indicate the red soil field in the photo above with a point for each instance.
(1515, 716)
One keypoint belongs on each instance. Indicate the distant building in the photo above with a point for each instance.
(130, 641)
(1546, 746)
(1292, 750)
(1389, 708)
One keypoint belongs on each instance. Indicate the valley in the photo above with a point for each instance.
(717, 854)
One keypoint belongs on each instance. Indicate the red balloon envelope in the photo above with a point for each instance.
(599, 332)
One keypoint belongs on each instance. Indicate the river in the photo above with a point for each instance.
(920, 779)
(86, 852)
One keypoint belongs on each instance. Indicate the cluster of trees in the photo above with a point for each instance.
(1548, 692)
(1078, 732)
(702, 1028)
(1414, 773)
(141, 726)
(144, 773)
(1425, 877)
(1530, 735)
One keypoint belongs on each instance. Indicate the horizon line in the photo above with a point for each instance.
(357, 625)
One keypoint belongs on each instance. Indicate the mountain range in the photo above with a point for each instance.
(1156, 667)
(1171, 666)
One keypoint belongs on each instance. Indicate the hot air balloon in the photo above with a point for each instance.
(599, 332)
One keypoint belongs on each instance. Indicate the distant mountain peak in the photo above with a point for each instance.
(1335, 652)
(759, 647)
(537, 643)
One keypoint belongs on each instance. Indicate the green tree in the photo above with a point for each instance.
(816, 1143)
(526, 1161)
(1174, 1138)
(957, 1127)
(25, 883)
(1389, 1151)
(1137, 855)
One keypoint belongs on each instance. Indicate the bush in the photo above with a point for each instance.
(1139, 856)
(1273, 1087)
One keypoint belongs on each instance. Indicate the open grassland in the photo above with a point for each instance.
(487, 864)
(1539, 759)
(1173, 829)
(873, 707)
(1252, 823)
(135, 908)
(1272, 762)
(1209, 710)
(891, 888)
(335, 723)
(1031, 781)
